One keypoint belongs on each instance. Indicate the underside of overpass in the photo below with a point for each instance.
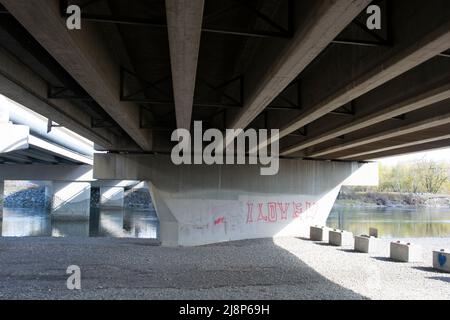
(137, 70)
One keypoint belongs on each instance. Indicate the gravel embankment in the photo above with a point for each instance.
(286, 268)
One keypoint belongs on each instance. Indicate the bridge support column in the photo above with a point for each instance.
(203, 204)
(2, 198)
(112, 197)
(71, 200)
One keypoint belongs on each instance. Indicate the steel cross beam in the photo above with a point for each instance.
(378, 40)
(280, 32)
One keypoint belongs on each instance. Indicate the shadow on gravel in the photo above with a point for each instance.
(251, 269)
(445, 279)
(325, 244)
(429, 269)
(350, 251)
(386, 259)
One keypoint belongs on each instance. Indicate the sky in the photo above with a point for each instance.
(437, 155)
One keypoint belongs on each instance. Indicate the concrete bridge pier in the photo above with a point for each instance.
(71, 200)
(202, 204)
(2, 198)
(112, 197)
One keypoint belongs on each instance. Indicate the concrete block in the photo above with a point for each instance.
(405, 252)
(366, 244)
(319, 233)
(340, 238)
(441, 260)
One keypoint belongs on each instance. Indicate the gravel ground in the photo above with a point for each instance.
(286, 268)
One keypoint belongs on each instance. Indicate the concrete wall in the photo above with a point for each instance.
(71, 200)
(41, 172)
(111, 197)
(2, 194)
(14, 137)
(202, 204)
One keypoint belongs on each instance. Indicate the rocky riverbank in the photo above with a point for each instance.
(22, 194)
(28, 195)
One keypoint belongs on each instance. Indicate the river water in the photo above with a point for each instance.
(390, 222)
(393, 222)
(102, 223)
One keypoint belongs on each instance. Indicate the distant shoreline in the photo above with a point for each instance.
(392, 200)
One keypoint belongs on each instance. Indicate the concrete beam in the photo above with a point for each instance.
(2, 200)
(184, 25)
(83, 55)
(396, 146)
(59, 151)
(400, 131)
(50, 159)
(417, 102)
(327, 20)
(14, 137)
(441, 144)
(22, 85)
(37, 172)
(403, 60)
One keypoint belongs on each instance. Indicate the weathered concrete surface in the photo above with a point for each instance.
(290, 268)
(206, 204)
(46, 172)
(419, 101)
(366, 244)
(112, 197)
(71, 200)
(184, 25)
(402, 130)
(441, 260)
(21, 84)
(340, 238)
(14, 137)
(85, 56)
(317, 233)
(405, 252)
(2, 199)
(326, 20)
(404, 57)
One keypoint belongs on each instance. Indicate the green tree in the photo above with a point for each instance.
(433, 175)
(424, 176)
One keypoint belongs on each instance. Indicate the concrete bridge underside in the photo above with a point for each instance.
(339, 93)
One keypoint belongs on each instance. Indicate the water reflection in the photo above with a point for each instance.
(102, 223)
(393, 222)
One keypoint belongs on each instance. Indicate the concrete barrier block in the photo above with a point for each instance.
(441, 260)
(366, 244)
(340, 238)
(319, 233)
(405, 252)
